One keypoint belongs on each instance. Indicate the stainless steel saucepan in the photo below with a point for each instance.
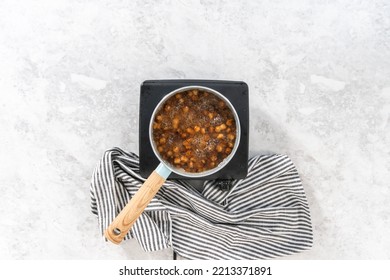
(134, 208)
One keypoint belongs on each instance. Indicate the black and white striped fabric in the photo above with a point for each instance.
(263, 216)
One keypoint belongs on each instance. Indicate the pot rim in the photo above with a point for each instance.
(225, 160)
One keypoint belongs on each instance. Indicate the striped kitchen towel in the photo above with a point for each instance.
(263, 216)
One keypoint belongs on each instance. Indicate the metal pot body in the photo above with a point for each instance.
(182, 172)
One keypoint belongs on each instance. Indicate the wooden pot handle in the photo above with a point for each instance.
(134, 208)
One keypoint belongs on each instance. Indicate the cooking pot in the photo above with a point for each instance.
(134, 208)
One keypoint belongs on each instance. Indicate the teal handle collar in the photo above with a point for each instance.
(163, 170)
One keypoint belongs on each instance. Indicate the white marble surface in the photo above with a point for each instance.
(70, 71)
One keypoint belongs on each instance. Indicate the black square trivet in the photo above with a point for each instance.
(152, 91)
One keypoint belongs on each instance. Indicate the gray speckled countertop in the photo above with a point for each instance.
(70, 71)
